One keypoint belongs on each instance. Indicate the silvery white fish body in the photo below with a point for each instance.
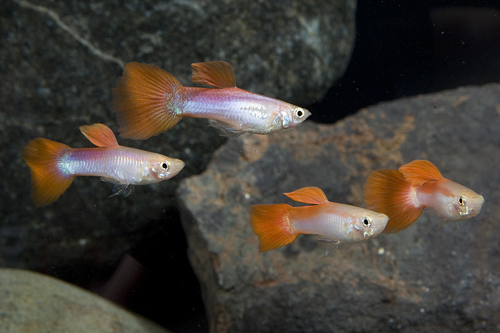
(149, 101)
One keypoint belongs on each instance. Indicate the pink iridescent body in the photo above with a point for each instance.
(237, 110)
(118, 165)
(54, 165)
(148, 101)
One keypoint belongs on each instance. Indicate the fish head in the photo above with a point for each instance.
(164, 167)
(292, 115)
(365, 224)
(459, 202)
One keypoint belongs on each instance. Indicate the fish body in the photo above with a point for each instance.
(239, 111)
(149, 101)
(278, 225)
(336, 221)
(54, 165)
(118, 165)
(403, 194)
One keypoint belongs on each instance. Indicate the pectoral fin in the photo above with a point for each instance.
(443, 221)
(122, 189)
(225, 129)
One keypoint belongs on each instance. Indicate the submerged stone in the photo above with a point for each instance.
(32, 302)
(420, 278)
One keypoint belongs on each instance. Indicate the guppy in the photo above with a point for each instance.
(403, 194)
(148, 101)
(278, 225)
(54, 165)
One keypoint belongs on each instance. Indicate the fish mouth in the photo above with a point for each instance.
(468, 211)
(178, 164)
(176, 167)
(464, 211)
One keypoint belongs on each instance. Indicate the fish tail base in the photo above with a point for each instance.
(388, 192)
(47, 181)
(272, 225)
(146, 101)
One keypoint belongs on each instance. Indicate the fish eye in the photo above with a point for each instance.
(461, 201)
(366, 222)
(164, 166)
(299, 113)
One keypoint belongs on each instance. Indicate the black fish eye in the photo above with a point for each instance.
(164, 166)
(461, 201)
(366, 222)
(299, 113)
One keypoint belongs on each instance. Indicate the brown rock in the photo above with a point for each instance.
(420, 279)
(59, 62)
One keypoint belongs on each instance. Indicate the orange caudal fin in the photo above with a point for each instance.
(388, 192)
(418, 172)
(310, 195)
(145, 101)
(271, 224)
(47, 182)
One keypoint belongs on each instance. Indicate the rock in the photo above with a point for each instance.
(420, 279)
(33, 302)
(59, 62)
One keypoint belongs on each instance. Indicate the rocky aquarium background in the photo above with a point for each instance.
(421, 278)
(60, 59)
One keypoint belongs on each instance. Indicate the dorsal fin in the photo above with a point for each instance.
(310, 195)
(99, 134)
(219, 74)
(419, 172)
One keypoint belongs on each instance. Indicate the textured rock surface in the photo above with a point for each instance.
(419, 280)
(31, 302)
(59, 61)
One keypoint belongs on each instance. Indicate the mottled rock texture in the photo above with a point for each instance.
(59, 61)
(31, 302)
(418, 280)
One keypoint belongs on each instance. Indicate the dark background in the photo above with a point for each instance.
(403, 48)
(406, 48)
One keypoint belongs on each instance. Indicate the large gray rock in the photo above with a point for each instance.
(31, 302)
(59, 61)
(418, 280)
